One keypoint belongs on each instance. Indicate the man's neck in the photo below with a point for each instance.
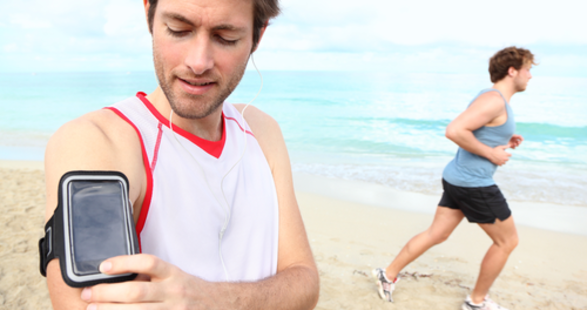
(506, 88)
(208, 128)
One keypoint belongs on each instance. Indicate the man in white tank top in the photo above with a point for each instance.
(214, 205)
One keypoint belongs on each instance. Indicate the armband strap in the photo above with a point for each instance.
(50, 246)
(46, 247)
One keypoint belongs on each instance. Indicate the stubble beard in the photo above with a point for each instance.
(521, 86)
(196, 106)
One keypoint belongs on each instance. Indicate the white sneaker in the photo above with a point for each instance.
(487, 304)
(384, 286)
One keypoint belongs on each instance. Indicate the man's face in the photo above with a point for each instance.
(522, 77)
(201, 49)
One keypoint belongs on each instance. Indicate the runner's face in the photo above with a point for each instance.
(200, 50)
(522, 77)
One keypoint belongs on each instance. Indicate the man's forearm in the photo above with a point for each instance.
(467, 141)
(293, 288)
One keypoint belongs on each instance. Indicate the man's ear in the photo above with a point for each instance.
(512, 72)
(147, 6)
(261, 36)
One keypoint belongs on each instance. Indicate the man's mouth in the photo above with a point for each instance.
(197, 83)
(196, 86)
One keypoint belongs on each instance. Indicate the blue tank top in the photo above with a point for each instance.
(471, 170)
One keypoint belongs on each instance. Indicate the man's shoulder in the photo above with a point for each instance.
(92, 138)
(490, 97)
(267, 132)
(100, 124)
(258, 120)
(489, 100)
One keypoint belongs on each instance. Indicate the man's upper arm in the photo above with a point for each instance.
(481, 112)
(87, 143)
(294, 249)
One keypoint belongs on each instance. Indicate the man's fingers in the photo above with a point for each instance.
(126, 292)
(140, 263)
(145, 306)
(143, 277)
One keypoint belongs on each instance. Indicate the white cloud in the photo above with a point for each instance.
(27, 22)
(125, 18)
(66, 29)
(309, 35)
(376, 23)
(423, 61)
(72, 17)
(10, 47)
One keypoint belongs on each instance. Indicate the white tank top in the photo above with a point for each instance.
(181, 216)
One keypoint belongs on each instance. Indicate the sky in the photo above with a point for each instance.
(451, 36)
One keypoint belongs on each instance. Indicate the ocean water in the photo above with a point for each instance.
(376, 127)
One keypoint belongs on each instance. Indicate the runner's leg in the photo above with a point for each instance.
(445, 221)
(505, 240)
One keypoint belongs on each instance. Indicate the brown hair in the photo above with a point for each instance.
(508, 57)
(263, 11)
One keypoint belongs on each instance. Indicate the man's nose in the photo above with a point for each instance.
(199, 57)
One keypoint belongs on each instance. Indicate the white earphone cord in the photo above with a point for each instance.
(226, 206)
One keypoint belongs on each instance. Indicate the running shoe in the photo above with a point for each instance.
(384, 286)
(487, 304)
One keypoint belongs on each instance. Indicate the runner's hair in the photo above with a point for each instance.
(508, 57)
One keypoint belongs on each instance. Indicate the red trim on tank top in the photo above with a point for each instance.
(157, 145)
(213, 148)
(149, 190)
(239, 125)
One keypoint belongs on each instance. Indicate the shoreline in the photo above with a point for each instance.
(536, 214)
(541, 215)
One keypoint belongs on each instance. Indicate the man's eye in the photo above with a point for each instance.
(177, 33)
(226, 41)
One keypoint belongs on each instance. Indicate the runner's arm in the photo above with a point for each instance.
(86, 144)
(483, 111)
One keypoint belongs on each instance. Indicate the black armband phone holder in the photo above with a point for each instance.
(93, 222)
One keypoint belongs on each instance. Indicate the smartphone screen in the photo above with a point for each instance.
(97, 224)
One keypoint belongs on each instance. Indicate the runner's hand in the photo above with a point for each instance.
(163, 286)
(498, 155)
(515, 141)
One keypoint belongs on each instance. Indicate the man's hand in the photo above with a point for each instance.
(515, 141)
(160, 285)
(498, 155)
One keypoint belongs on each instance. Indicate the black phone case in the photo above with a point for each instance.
(54, 230)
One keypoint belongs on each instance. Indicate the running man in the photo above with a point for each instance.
(214, 206)
(483, 132)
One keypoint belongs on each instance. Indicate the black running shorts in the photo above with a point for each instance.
(478, 204)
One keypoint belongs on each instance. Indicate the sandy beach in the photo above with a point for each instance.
(350, 235)
(22, 205)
